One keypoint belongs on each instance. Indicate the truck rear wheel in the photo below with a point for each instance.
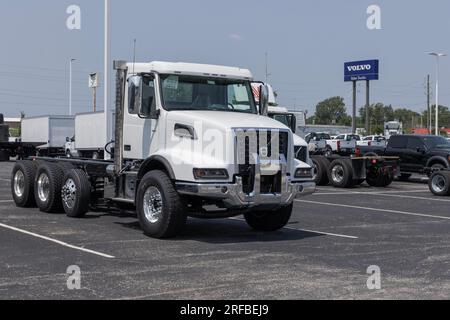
(160, 209)
(340, 173)
(321, 165)
(22, 184)
(380, 179)
(47, 187)
(76, 193)
(439, 183)
(269, 221)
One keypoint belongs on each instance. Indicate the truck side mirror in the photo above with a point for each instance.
(142, 97)
(264, 100)
(134, 94)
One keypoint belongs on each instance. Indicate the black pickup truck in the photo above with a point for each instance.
(417, 153)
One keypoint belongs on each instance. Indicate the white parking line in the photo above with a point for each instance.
(6, 201)
(7, 180)
(375, 209)
(56, 241)
(363, 192)
(310, 231)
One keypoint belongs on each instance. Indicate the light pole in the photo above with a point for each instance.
(437, 55)
(108, 124)
(70, 87)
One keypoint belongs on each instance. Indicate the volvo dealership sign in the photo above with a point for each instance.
(361, 70)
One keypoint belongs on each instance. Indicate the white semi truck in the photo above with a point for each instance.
(188, 142)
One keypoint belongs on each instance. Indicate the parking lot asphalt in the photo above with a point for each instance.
(324, 253)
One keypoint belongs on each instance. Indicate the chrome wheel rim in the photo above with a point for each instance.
(153, 205)
(69, 193)
(337, 173)
(19, 183)
(438, 183)
(43, 187)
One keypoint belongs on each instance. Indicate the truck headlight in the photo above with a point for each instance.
(210, 174)
(303, 173)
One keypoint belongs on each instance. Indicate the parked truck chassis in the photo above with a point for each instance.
(348, 172)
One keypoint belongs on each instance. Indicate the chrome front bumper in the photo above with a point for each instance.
(233, 195)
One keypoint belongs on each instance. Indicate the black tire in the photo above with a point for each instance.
(439, 183)
(172, 218)
(321, 165)
(269, 221)
(51, 201)
(65, 166)
(25, 198)
(76, 193)
(380, 179)
(404, 177)
(340, 173)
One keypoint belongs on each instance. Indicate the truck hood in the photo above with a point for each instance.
(226, 120)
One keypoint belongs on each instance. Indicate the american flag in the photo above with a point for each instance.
(256, 87)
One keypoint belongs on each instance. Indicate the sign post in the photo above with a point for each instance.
(93, 84)
(361, 71)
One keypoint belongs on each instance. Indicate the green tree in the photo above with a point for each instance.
(331, 111)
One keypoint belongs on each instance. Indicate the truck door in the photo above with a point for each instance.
(140, 137)
(397, 147)
(416, 154)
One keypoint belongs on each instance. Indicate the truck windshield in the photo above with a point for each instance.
(206, 94)
(437, 142)
(287, 119)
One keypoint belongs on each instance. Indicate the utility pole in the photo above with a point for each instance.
(438, 56)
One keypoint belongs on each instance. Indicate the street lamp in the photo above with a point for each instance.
(70, 86)
(108, 123)
(437, 55)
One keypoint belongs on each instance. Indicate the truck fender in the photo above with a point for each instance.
(156, 162)
(438, 159)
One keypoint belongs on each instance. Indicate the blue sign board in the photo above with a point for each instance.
(361, 70)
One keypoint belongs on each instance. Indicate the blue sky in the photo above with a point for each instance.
(308, 42)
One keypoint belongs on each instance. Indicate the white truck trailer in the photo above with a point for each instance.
(48, 131)
(189, 141)
(90, 135)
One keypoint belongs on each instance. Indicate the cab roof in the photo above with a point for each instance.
(194, 69)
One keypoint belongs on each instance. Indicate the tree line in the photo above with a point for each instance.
(333, 111)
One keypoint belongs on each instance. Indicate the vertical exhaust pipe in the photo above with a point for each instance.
(121, 75)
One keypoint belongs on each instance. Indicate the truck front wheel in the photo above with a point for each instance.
(269, 220)
(160, 210)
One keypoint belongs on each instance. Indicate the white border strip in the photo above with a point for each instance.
(374, 209)
(56, 241)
